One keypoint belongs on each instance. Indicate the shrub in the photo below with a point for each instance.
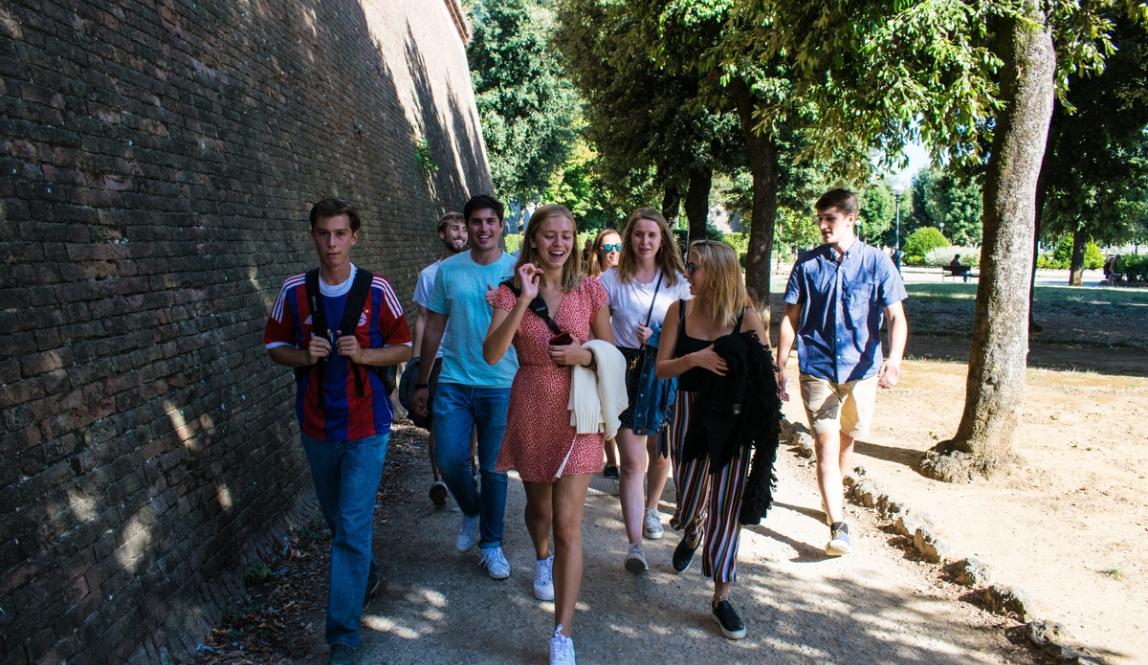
(941, 256)
(1061, 257)
(920, 243)
(1132, 268)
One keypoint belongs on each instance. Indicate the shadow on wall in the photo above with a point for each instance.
(165, 160)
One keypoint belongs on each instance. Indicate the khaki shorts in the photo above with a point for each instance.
(845, 407)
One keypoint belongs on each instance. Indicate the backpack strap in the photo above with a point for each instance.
(737, 324)
(318, 327)
(352, 309)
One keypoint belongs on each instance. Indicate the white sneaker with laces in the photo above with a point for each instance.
(467, 533)
(652, 527)
(544, 578)
(561, 649)
(495, 563)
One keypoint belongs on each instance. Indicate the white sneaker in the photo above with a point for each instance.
(495, 563)
(561, 649)
(544, 578)
(636, 559)
(652, 528)
(467, 533)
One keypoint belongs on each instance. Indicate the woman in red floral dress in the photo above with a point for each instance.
(554, 463)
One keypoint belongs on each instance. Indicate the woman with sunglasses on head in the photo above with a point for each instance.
(710, 473)
(554, 462)
(607, 248)
(647, 280)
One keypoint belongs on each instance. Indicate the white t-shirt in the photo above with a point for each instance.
(630, 302)
(423, 292)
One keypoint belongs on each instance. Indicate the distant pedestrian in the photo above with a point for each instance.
(646, 281)
(336, 326)
(714, 344)
(837, 297)
(555, 311)
(452, 235)
(607, 250)
(472, 395)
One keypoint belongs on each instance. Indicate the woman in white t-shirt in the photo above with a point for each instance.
(648, 279)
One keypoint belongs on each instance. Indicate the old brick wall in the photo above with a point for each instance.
(157, 161)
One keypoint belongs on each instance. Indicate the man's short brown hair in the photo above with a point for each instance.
(842, 199)
(332, 208)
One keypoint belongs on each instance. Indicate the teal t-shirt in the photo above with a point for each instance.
(459, 293)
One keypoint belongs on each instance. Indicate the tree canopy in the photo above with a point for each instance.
(527, 104)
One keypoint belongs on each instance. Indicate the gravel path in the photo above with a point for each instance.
(872, 606)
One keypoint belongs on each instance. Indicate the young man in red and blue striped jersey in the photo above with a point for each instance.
(342, 402)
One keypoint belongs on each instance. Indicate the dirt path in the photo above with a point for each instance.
(872, 606)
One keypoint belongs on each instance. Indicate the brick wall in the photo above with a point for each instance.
(157, 161)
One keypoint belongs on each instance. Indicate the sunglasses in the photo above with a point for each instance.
(617, 247)
(691, 267)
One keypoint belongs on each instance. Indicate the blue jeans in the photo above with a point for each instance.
(346, 476)
(459, 410)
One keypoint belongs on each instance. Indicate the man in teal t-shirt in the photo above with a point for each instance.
(471, 395)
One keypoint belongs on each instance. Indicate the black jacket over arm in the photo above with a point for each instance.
(738, 410)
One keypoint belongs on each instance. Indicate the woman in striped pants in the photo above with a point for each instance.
(709, 499)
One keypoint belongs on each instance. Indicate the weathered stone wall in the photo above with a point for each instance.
(157, 162)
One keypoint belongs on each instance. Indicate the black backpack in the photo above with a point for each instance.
(351, 313)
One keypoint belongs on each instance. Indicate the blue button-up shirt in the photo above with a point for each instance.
(842, 307)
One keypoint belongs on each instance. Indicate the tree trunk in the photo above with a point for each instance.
(1038, 219)
(763, 168)
(698, 201)
(1076, 265)
(671, 203)
(994, 388)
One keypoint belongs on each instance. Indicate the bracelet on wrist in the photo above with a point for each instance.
(421, 386)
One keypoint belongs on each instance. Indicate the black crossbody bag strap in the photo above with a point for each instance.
(650, 312)
(538, 306)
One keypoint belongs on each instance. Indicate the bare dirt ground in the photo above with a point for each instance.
(1066, 524)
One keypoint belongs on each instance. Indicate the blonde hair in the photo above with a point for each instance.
(572, 269)
(668, 259)
(722, 288)
(594, 265)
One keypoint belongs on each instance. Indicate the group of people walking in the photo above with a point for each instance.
(533, 363)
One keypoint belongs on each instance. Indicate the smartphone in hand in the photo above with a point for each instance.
(563, 339)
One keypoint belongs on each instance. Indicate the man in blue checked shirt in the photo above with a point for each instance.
(835, 301)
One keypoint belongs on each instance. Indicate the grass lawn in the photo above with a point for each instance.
(1102, 318)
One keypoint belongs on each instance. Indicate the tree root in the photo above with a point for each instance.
(947, 463)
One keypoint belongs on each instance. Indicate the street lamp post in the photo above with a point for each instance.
(898, 188)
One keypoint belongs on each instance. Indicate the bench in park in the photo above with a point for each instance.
(963, 272)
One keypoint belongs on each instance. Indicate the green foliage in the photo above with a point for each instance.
(796, 230)
(527, 106)
(1095, 166)
(424, 157)
(920, 243)
(1061, 257)
(950, 200)
(1132, 268)
(579, 185)
(876, 215)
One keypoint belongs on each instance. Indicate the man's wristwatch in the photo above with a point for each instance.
(421, 386)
